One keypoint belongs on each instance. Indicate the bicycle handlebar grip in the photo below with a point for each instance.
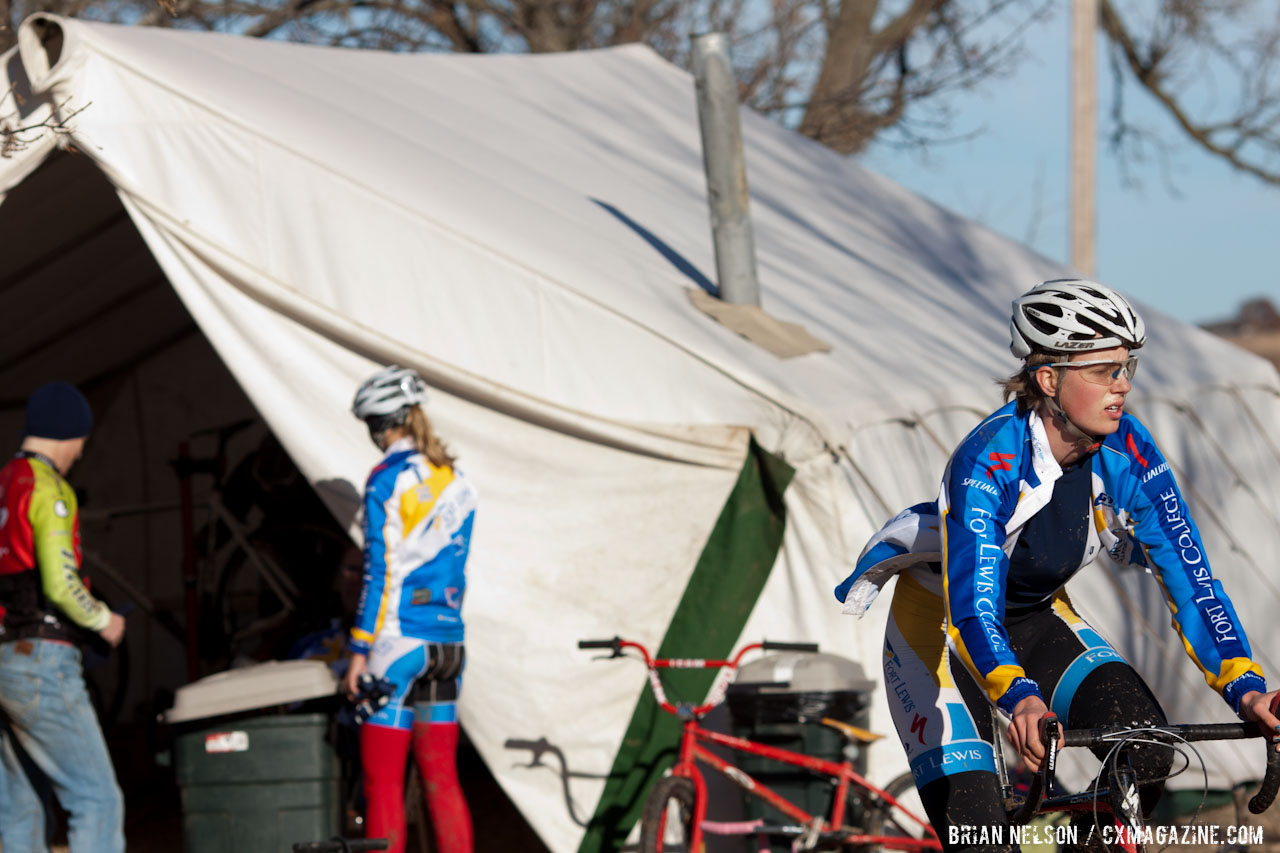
(771, 646)
(600, 644)
(1046, 733)
(1271, 781)
(1042, 782)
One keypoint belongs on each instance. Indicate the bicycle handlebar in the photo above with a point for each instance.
(1262, 800)
(772, 646)
(716, 694)
(1049, 736)
(615, 644)
(1266, 794)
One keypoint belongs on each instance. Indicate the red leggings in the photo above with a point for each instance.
(383, 752)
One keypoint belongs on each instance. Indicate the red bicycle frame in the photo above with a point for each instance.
(693, 735)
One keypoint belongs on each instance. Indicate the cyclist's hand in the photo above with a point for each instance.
(355, 668)
(114, 632)
(1024, 731)
(1261, 708)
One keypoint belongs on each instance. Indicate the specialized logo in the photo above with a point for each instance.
(60, 509)
(1001, 461)
(980, 486)
(1133, 449)
(917, 728)
(1155, 472)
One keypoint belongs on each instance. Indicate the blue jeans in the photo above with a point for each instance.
(52, 721)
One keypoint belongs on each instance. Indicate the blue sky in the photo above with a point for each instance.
(1196, 254)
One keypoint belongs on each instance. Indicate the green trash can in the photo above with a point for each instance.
(256, 780)
(778, 700)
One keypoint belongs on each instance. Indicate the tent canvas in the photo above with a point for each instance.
(525, 232)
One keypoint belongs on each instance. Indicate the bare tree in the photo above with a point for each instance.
(1183, 55)
(18, 133)
(840, 72)
(844, 72)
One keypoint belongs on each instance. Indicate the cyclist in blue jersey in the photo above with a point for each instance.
(418, 514)
(980, 615)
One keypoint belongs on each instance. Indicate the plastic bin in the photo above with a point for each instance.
(770, 701)
(254, 778)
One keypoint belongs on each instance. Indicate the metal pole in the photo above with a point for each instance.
(1084, 135)
(726, 169)
(189, 568)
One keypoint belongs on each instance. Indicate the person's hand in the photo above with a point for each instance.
(1024, 731)
(356, 667)
(114, 632)
(1261, 708)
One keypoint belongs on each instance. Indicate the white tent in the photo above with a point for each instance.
(525, 231)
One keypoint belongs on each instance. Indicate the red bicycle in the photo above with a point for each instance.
(675, 812)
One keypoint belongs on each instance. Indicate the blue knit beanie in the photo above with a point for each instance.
(58, 410)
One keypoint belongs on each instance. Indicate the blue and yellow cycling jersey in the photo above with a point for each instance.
(417, 534)
(1001, 475)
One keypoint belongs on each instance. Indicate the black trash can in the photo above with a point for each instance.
(779, 700)
(255, 776)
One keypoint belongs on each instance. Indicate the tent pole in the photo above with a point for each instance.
(189, 560)
(726, 170)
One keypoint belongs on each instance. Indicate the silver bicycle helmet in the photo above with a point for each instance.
(390, 391)
(1073, 315)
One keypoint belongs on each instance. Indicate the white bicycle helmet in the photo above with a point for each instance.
(390, 391)
(1073, 315)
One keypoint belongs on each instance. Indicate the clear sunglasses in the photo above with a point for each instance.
(1098, 372)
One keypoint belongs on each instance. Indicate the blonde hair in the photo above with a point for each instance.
(428, 443)
(1023, 386)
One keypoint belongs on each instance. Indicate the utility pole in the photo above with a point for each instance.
(726, 170)
(1084, 135)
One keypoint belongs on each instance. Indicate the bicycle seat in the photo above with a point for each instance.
(853, 733)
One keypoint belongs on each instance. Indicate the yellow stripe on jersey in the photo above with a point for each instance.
(417, 502)
(1065, 609)
(1230, 670)
(918, 614)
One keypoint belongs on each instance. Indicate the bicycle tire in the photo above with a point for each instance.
(247, 608)
(883, 819)
(418, 833)
(672, 797)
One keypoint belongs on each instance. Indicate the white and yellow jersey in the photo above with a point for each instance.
(417, 534)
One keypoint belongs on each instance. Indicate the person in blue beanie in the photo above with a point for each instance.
(46, 718)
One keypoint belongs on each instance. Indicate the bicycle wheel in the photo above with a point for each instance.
(249, 609)
(883, 819)
(417, 826)
(666, 826)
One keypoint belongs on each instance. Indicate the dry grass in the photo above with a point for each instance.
(1265, 344)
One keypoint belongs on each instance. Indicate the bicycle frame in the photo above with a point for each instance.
(692, 751)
